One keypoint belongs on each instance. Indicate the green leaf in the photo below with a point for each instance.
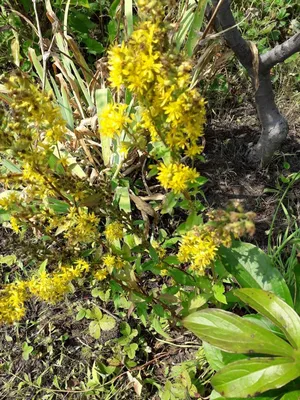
(234, 334)
(26, 351)
(97, 313)
(132, 348)
(8, 260)
(291, 395)
(218, 359)
(107, 323)
(181, 277)
(81, 314)
(297, 287)
(11, 167)
(128, 16)
(218, 291)
(252, 268)
(272, 307)
(157, 326)
(247, 378)
(265, 323)
(124, 199)
(169, 203)
(94, 329)
(195, 28)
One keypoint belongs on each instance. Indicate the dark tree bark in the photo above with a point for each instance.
(274, 125)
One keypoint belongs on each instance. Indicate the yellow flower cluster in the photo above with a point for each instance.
(148, 67)
(36, 122)
(80, 226)
(197, 248)
(113, 119)
(100, 274)
(169, 109)
(176, 176)
(111, 262)
(114, 231)
(49, 287)
(12, 299)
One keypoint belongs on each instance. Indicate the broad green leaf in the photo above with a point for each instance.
(218, 359)
(94, 329)
(297, 287)
(234, 334)
(252, 268)
(272, 307)
(124, 199)
(97, 313)
(26, 351)
(247, 378)
(81, 314)
(107, 323)
(265, 323)
(8, 260)
(216, 396)
(181, 277)
(291, 395)
(218, 291)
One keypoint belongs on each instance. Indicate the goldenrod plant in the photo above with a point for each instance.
(51, 195)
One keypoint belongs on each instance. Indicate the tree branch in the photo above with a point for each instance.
(233, 36)
(280, 52)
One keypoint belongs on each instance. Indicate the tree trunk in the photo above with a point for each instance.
(274, 125)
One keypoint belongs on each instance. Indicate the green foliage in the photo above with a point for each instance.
(252, 376)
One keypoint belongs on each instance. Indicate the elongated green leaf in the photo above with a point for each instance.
(195, 28)
(216, 396)
(252, 268)
(218, 359)
(129, 16)
(297, 287)
(38, 67)
(234, 334)
(247, 378)
(101, 102)
(10, 166)
(184, 27)
(123, 198)
(272, 307)
(291, 395)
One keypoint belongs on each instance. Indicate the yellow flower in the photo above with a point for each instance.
(100, 274)
(114, 231)
(112, 262)
(198, 249)
(15, 224)
(113, 120)
(12, 299)
(176, 176)
(80, 226)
